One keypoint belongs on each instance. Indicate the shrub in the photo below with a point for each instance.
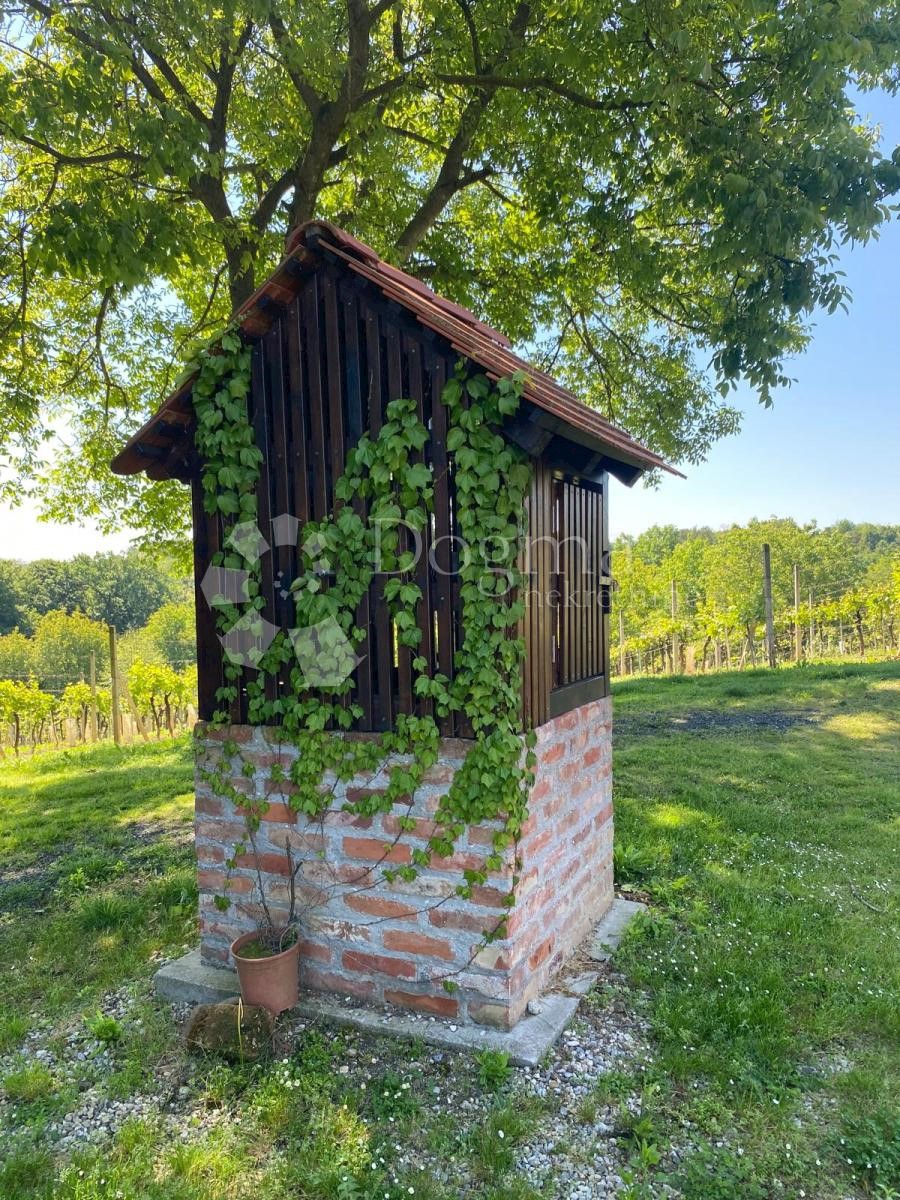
(493, 1069)
(103, 1028)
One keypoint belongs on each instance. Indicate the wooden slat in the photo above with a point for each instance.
(262, 431)
(353, 359)
(209, 651)
(441, 592)
(585, 583)
(317, 450)
(381, 650)
(279, 468)
(605, 569)
(334, 374)
(394, 392)
(297, 416)
(415, 354)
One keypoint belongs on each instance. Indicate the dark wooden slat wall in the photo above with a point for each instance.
(322, 375)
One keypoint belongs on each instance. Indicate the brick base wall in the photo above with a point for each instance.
(396, 943)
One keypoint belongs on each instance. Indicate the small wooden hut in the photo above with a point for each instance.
(337, 333)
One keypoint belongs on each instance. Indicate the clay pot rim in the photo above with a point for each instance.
(245, 938)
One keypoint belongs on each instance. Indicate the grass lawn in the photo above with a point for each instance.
(760, 814)
(757, 813)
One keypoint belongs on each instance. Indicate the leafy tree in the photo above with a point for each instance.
(16, 656)
(115, 589)
(62, 648)
(172, 634)
(638, 188)
(10, 616)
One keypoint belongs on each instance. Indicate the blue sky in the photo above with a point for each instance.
(829, 449)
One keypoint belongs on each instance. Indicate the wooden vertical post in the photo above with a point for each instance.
(95, 723)
(676, 647)
(767, 597)
(798, 636)
(621, 642)
(812, 624)
(114, 676)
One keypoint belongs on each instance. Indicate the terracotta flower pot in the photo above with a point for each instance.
(273, 981)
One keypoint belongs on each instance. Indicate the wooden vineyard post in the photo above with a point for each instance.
(116, 717)
(95, 723)
(676, 645)
(621, 642)
(767, 597)
(133, 709)
(812, 625)
(798, 636)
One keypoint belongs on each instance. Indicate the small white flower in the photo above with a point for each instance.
(500, 1133)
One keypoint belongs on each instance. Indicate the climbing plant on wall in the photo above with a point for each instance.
(385, 491)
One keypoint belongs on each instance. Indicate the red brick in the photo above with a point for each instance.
(440, 775)
(482, 835)
(451, 918)
(327, 981)
(348, 819)
(357, 794)
(603, 816)
(374, 851)
(377, 906)
(441, 1006)
(553, 753)
(593, 755)
(537, 844)
(280, 814)
(227, 733)
(328, 874)
(280, 787)
(315, 951)
(210, 854)
(300, 841)
(420, 829)
(542, 952)
(209, 805)
(214, 881)
(540, 791)
(368, 964)
(418, 944)
(269, 864)
(488, 897)
(221, 831)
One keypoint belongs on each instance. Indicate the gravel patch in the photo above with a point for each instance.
(576, 1151)
(703, 720)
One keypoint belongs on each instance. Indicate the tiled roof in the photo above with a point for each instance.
(150, 448)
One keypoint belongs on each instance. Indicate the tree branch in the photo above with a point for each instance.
(530, 83)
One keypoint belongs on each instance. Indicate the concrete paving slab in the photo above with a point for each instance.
(188, 980)
(609, 932)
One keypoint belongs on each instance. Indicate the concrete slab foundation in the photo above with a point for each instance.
(188, 980)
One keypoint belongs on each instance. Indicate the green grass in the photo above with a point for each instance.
(767, 970)
(96, 874)
(770, 857)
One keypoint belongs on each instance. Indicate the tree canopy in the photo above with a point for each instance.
(635, 190)
(114, 589)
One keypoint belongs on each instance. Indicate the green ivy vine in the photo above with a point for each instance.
(385, 484)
